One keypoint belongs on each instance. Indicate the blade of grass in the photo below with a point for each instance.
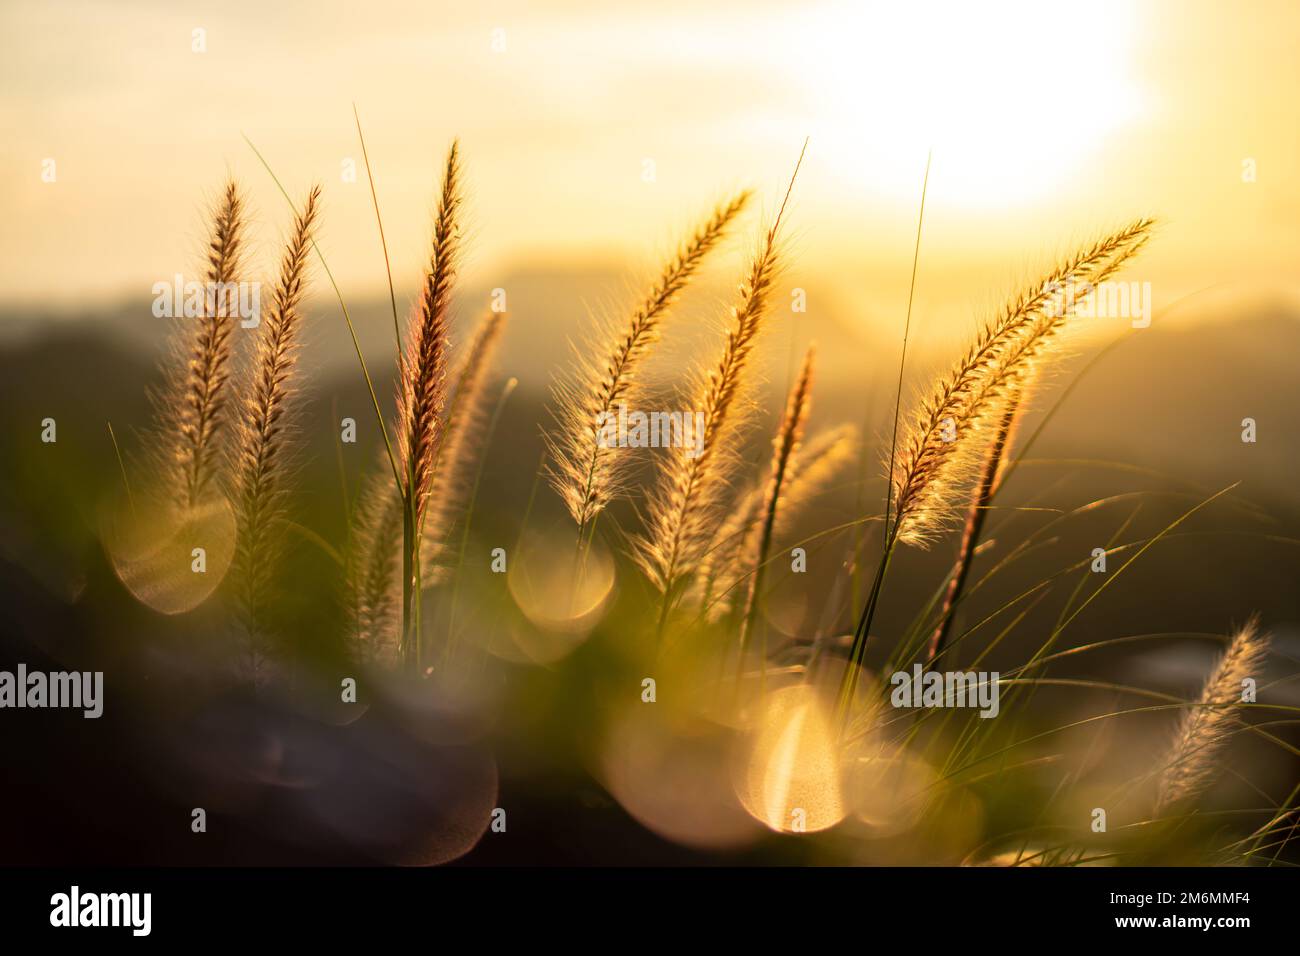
(388, 268)
(849, 682)
(122, 467)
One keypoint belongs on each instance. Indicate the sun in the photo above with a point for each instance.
(1014, 97)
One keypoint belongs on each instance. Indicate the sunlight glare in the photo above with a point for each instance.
(1014, 97)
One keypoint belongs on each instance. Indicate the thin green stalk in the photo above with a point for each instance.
(412, 529)
(848, 684)
(388, 268)
(532, 498)
(902, 360)
(852, 666)
(122, 466)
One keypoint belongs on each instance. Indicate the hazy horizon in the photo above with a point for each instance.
(559, 115)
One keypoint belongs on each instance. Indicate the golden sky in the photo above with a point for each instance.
(1048, 123)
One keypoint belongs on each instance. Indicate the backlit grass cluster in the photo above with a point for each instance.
(685, 552)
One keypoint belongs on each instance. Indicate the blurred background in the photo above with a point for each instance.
(594, 135)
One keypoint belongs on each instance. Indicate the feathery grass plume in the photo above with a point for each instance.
(1191, 766)
(987, 485)
(464, 421)
(789, 435)
(586, 475)
(375, 577)
(264, 435)
(375, 568)
(685, 504)
(422, 388)
(942, 451)
(737, 531)
(190, 409)
(811, 466)
(422, 391)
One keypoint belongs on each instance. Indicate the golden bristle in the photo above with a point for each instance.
(789, 436)
(981, 498)
(685, 505)
(422, 391)
(942, 449)
(1206, 727)
(264, 435)
(811, 466)
(375, 568)
(586, 475)
(458, 447)
(687, 501)
(190, 409)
